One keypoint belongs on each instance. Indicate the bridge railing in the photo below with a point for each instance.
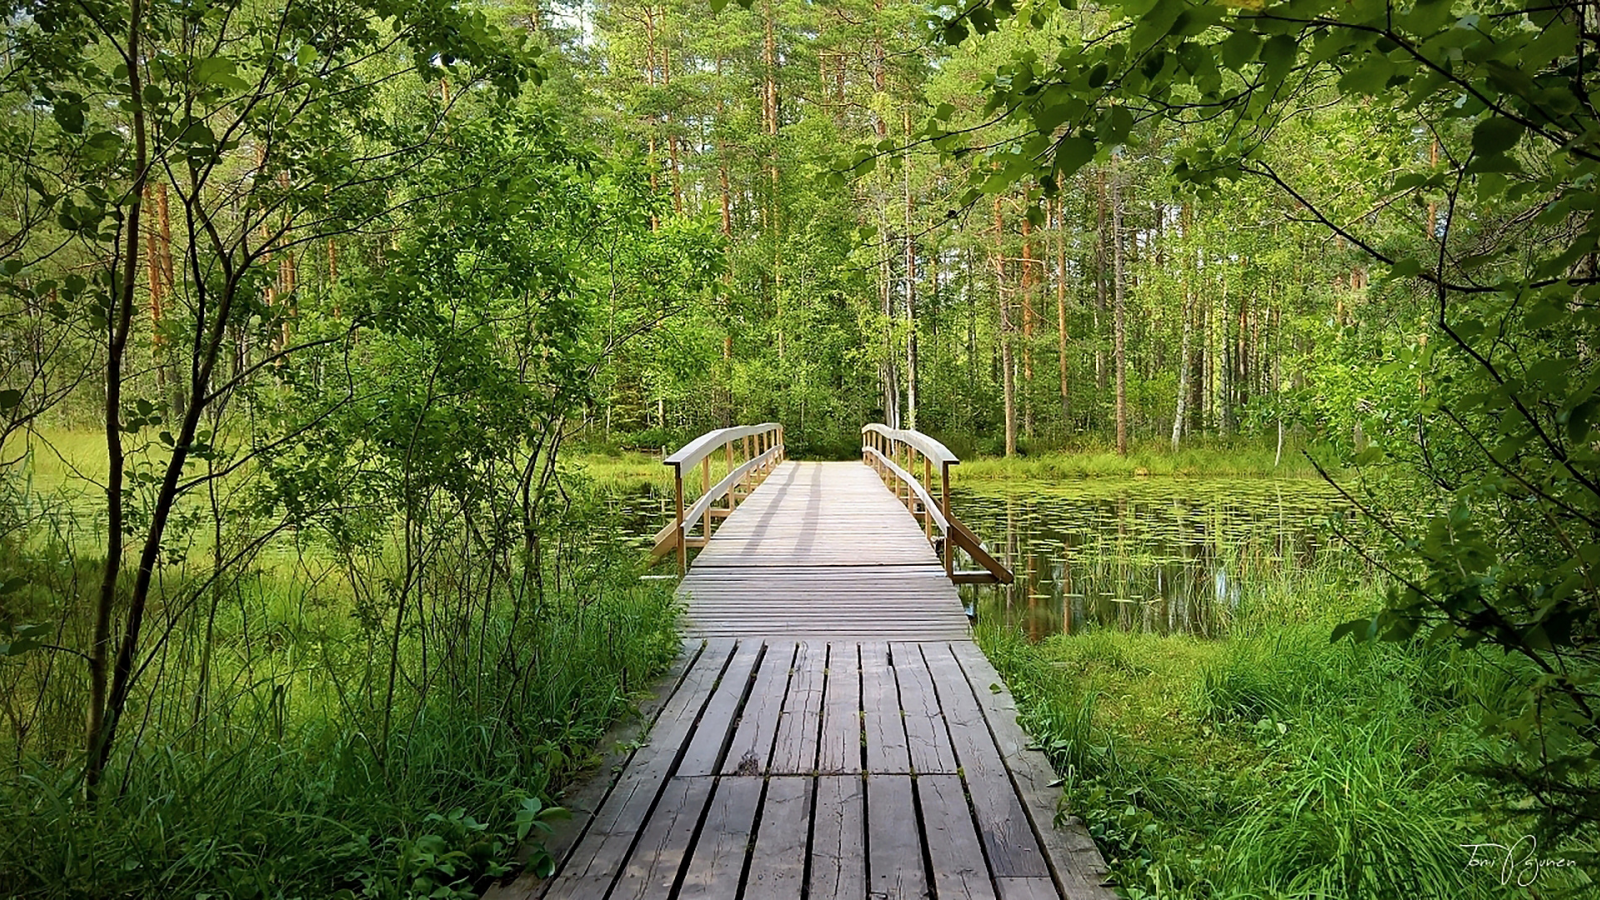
(908, 461)
(751, 452)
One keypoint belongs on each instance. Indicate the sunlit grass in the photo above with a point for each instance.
(1155, 459)
(1270, 764)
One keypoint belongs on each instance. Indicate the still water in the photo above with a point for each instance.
(1153, 554)
(1164, 555)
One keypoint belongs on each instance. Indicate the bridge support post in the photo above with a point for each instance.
(683, 550)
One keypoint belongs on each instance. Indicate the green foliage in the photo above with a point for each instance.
(1480, 483)
(284, 797)
(1272, 763)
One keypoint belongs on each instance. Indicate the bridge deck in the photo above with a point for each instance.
(834, 734)
(822, 550)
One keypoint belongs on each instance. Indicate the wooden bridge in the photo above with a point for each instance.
(830, 729)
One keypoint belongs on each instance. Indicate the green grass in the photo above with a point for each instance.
(1156, 459)
(285, 771)
(1273, 764)
(623, 471)
(286, 788)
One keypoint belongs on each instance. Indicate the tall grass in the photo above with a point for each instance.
(1271, 764)
(1099, 460)
(292, 793)
(324, 721)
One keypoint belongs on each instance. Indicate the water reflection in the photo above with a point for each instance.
(1160, 555)
(1157, 555)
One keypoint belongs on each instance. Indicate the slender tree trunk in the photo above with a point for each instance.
(911, 290)
(1225, 390)
(1100, 252)
(1186, 327)
(1061, 314)
(727, 274)
(650, 80)
(1028, 285)
(673, 156)
(100, 729)
(1120, 287)
(1007, 375)
(1200, 368)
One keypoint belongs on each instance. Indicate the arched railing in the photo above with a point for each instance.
(917, 468)
(751, 452)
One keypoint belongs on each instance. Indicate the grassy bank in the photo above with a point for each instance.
(304, 777)
(354, 708)
(1273, 763)
(1095, 461)
(624, 470)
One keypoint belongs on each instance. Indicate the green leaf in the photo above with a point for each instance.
(1496, 135)
(1278, 55)
(9, 398)
(1239, 48)
(1072, 154)
(1357, 630)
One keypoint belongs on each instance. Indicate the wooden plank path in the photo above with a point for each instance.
(830, 731)
(821, 549)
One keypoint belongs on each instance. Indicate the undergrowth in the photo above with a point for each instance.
(1272, 764)
(292, 793)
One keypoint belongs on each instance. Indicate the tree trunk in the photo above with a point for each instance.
(1187, 329)
(673, 156)
(911, 291)
(1120, 287)
(100, 729)
(1007, 376)
(1100, 281)
(1061, 314)
(1029, 281)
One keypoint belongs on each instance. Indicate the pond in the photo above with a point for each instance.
(1162, 555)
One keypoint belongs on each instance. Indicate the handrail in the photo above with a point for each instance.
(909, 479)
(927, 446)
(883, 448)
(762, 450)
(708, 443)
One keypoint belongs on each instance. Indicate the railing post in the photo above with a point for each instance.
(944, 507)
(677, 489)
(927, 485)
(705, 488)
(732, 488)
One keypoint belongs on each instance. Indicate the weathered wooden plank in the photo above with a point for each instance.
(882, 725)
(894, 846)
(927, 738)
(751, 748)
(838, 840)
(1069, 849)
(1007, 832)
(778, 864)
(959, 869)
(653, 867)
(594, 863)
(704, 753)
(840, 750)
(795, 750)
(1028, 889)
(719, 852)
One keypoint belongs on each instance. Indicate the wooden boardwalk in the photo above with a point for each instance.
(822, 550)
(830, 730)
